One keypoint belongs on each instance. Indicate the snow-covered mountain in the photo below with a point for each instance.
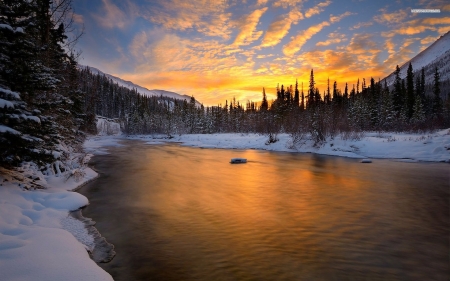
(437, 54)
(142, 90)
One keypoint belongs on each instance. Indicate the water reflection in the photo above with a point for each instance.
(178, 213)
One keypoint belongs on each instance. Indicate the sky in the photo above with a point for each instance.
(215, 50)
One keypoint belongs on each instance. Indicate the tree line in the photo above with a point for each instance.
(48, 103)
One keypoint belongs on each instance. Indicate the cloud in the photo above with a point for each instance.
(287, 3)
(436, 21)
(279, 28)
(446, 8)
(260, 3)
(264, 56)
(112, 16)
(402, 54)
(247, 26)
(78, 18)
(298, 41)
(391, 18)
(208, 17)
(301, 38)
(335, 19)
(429, 39)
(361, 24)
(317, 9)
(333, 38)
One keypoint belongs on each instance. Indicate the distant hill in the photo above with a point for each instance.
(141, 90)
(437, 54)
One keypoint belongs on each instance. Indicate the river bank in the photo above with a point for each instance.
(39, 239)
(408, 147)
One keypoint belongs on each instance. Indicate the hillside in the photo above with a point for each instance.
(142, 90)
(436, 55)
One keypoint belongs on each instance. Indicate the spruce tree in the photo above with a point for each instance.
(296, 95)
(264, 103)
(409, 90)
(437, 100)
(311, 91)
(397, 96)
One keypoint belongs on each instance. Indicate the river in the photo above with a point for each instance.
(182, 213)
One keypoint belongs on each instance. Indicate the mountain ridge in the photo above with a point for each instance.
(140, 89)
(435, 55)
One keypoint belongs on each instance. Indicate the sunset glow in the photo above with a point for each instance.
(219, 49)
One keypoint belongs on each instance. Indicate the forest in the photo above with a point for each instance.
(48, 103)
(372, 106)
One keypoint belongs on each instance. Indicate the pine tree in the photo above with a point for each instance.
(302, 103)
(328, 95)
(264, 103)
(418, 113)
(398, 100)
(409, 90)
(311, 91)
(296, 95)
(437, 100)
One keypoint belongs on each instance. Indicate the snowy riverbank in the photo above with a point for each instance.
(433, 147)
(39, 240)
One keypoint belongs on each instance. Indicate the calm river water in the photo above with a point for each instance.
(181, 213)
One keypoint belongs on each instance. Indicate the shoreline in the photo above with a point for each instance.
(405, 147)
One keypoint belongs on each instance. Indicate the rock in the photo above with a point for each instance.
(366, 161)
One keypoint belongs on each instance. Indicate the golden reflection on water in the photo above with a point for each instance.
(281, 216)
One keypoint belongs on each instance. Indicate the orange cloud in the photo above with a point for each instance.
(429, 39)
(287, 3)
(333, 38)
(334, 19)
(298, 41)
(436, 21)
(390, 18)
(211, 19)
(317, 9)
(248, 24)
(279, 28)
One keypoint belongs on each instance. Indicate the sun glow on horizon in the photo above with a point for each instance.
(215, 50)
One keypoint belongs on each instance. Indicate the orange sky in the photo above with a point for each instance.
(220, 49)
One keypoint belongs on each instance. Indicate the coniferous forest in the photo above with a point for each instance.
(48, 103)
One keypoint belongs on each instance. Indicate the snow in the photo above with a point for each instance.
(5, 103)
(107, 127)
(10, 93)
(407, 147)
(4, 129)
(38, 238)
(6, 26)
(32, 118)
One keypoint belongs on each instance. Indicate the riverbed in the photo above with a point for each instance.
(182, 213)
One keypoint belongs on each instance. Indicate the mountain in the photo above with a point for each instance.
(141, 90)
(436, 55)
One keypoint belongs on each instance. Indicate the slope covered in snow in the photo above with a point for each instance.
(142, 90)
(38, 238)
(437, 54)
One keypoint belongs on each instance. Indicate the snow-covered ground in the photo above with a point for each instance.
(39, 240)
(403, 146)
